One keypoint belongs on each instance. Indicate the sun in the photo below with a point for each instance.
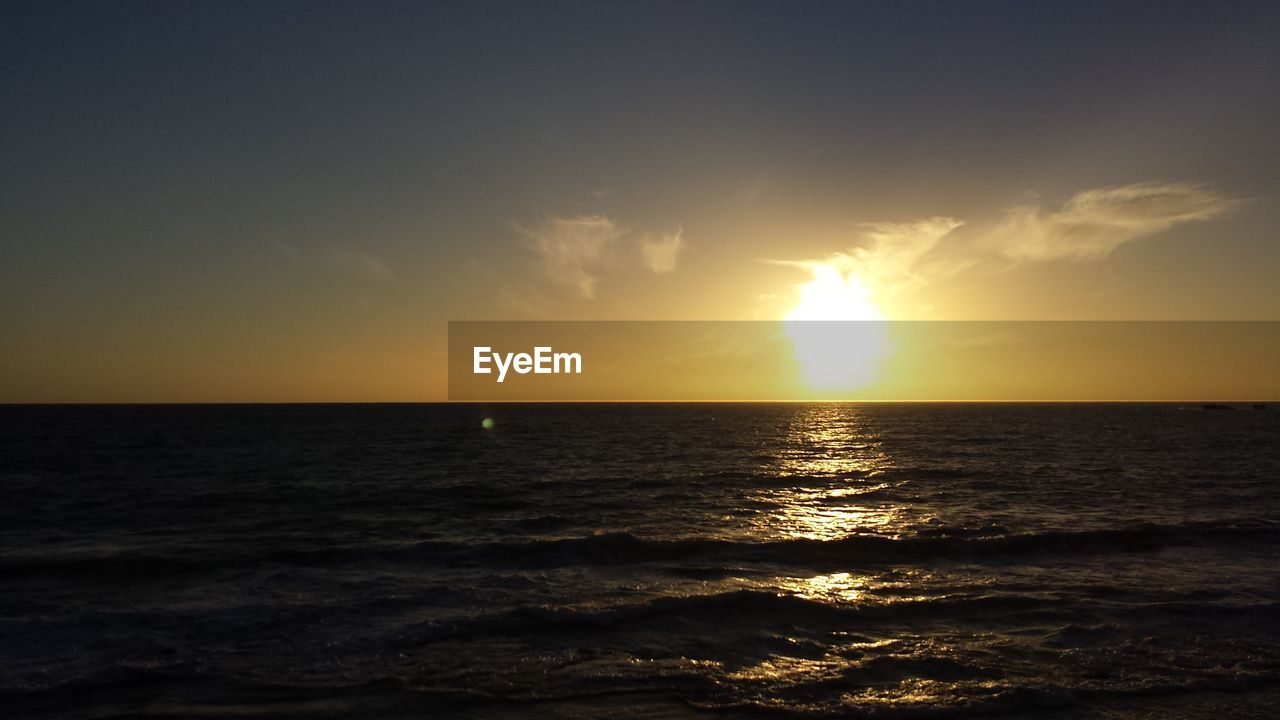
(837, 331)
(834, 295)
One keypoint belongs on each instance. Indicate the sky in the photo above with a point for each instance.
(224, 201)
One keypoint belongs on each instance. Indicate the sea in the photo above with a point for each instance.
(640, 561)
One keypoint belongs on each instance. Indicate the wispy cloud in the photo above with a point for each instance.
(1093, 223)
(896, 258)
(661, 253)
(353, 260)
(360, 262)
(575, 252)
(570, 249)
(286, 249)
(890, 257)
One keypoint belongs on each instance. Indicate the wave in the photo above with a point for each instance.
(859, 550)
(392, 696)
(608, 549)
(1204, 697)
(756, 609)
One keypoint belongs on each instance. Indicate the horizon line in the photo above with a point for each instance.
(143, 403)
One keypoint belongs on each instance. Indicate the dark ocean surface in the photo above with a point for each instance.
(401, 561)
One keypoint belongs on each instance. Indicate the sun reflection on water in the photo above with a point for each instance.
(829, 472)
(838, 587)
(832, 480)
(846, 587)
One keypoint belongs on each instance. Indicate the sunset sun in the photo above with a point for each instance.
(835, 331)
(834, 295)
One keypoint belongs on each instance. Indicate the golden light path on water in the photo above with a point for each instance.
(836, 463)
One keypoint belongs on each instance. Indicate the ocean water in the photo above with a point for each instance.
(402, 561)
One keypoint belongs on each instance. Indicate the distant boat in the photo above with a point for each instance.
(1216, 406)
(1260, 406)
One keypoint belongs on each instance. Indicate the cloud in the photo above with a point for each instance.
(660, 254)
(890, 257)
(360, 262)
(570, 249)
(352, 260)
(286, 249)
(895, 258)
(1093, 223)
(574, 252)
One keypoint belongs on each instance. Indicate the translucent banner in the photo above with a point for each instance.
(605, 361)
